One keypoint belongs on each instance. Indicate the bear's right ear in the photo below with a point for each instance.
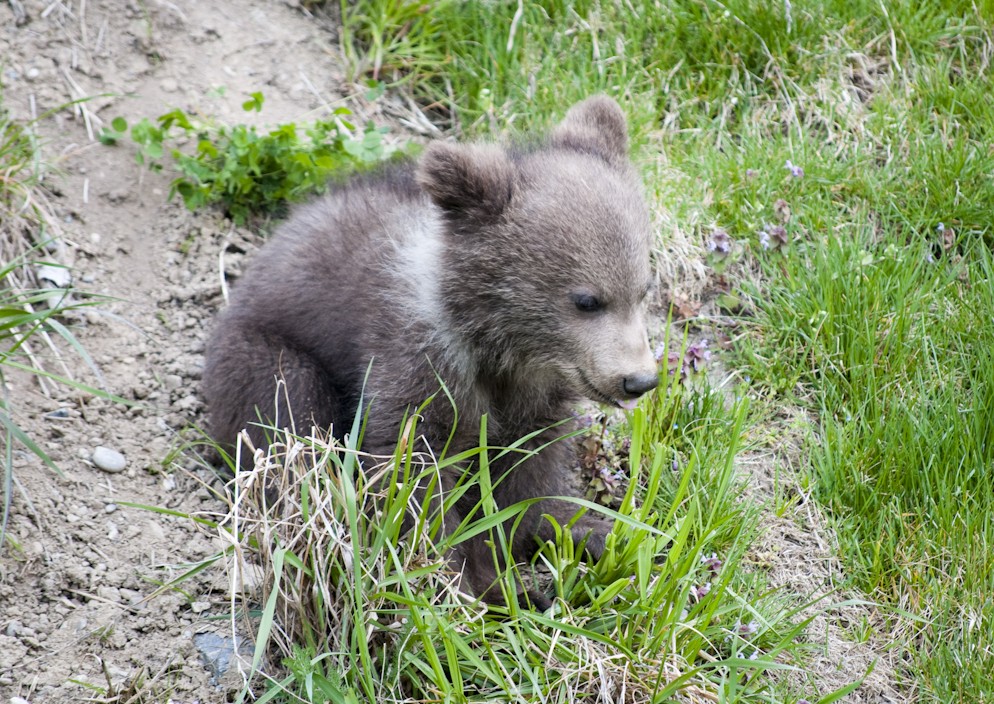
(471, 183)
(595, 126)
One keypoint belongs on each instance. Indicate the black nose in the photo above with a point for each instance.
(638, 384)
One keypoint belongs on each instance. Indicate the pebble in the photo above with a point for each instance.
(217, 652)
(58, 276)
(169, 85)
(19, 700)
(108, 460)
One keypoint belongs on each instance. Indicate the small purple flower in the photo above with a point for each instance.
(750, 173)
(795, 171)
(719, 243)
(746, 629)
(659, 351)
(773, 237)
(610, 479)
(699, 592)
(712, 562)
(781, 209)
(697, 356)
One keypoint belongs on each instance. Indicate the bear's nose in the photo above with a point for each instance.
(638, 384)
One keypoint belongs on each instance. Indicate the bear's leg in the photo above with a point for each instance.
(257, 381)
(477, 559)
(545, 474)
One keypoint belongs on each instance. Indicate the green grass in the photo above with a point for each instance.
(877, 315)
(365, 610)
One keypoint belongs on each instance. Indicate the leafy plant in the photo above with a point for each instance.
(247, 172)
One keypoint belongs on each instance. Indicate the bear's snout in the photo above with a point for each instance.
(638, 384)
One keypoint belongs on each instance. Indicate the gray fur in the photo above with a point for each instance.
(467, 266)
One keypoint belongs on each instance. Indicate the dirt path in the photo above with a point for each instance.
(72, 599)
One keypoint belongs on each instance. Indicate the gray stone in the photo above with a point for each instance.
(108, 460)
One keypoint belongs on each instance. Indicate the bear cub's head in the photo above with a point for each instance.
(546, 275)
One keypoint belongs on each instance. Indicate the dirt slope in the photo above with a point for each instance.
(72, 601)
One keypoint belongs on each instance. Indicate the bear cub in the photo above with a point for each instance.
(518, 277)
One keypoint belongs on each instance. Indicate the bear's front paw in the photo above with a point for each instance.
(595, 531)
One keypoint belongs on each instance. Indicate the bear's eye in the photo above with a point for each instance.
(587, 303)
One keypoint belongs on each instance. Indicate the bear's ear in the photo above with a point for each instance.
(470, 183)
(595, 126)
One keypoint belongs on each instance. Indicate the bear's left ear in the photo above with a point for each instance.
(595, 126)
(472, 184)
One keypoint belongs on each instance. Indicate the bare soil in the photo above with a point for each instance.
(78, 614)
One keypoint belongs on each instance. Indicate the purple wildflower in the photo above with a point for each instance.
(774, 237)
(659, 351)
(699, 592)
(795, 171)
(712, 562)
(781, 209)
(746, 629)
(697, 356)
(719, 243)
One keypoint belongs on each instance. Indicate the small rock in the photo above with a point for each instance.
(169, 85)
(154, 531)
(58, 276)
(108, 460)
(58, 414)
(32, 73)
(172, 381)
(216, 652)
(110, 508)
(199, 607)
(19, 700)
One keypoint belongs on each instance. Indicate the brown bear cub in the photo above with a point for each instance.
(517, 277)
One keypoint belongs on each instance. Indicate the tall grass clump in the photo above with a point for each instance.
(360, 604)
